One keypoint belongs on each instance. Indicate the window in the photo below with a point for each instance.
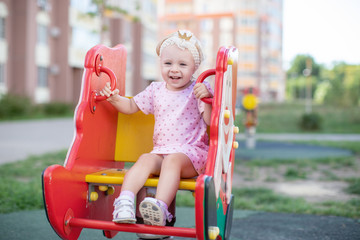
(83, 38)
(2, 28)
(42, 77)
(127, 32)
(43, 4)
(84, 6)
(2, 73)
(42, 35)
(206, 25)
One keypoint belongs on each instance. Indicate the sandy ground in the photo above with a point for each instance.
(325, 183)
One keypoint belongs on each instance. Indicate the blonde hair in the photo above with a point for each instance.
(184, 39)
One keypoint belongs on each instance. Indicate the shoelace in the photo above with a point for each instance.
(122, 205)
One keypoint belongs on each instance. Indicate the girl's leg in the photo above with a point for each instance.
(137, 175)
(173, 167)
(134, 180)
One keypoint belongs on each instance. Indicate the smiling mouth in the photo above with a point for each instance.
(174, 78)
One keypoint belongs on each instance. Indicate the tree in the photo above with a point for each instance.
(344, 85)
(296, 81)
(299, 64)
(104, 10)
(339, 86)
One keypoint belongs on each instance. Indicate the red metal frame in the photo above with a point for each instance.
(66, 193)
(217, 108)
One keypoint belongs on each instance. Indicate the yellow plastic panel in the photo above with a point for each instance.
(134, 136)
(109, 176)
(115, 176)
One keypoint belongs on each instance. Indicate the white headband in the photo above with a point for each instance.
(184, 39)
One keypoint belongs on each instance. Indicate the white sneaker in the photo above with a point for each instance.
(153, 213)
(152, 236)
(124, 211)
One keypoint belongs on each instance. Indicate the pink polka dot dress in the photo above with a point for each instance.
(179, 126)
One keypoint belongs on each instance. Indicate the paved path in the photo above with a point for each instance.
(19, 139)
(283, 150)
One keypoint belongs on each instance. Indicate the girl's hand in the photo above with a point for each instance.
(201, 91)
(122, 104)
(108, 93)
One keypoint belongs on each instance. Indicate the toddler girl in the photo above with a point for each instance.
(180, 138)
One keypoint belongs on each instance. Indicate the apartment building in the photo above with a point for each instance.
(213, 28)
(43, 44)
(253, 26)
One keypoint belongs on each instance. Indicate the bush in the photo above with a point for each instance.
(14, 106)
(57, 109)
(18, 107)
(310, 121)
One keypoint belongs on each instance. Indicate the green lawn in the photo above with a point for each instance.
(285, 118)
(21, 189)
(263, 199)
(21, 182)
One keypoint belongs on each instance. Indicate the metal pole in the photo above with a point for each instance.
(307, 74)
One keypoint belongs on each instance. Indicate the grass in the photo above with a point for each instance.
(295, 173)
(21, 190)
(20, 187)
(263, 199)
(354, 186)
(311, 163)
(285, 118)
(300, 169)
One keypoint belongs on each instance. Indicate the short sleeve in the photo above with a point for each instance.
(145, 100)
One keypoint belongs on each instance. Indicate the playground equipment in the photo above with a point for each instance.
(80, 194)
(249, 103)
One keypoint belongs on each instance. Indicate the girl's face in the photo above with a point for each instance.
(177, 67)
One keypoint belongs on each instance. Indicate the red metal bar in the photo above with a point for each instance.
(136, 228)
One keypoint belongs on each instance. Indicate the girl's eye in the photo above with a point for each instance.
(167, 63)
(183, 64)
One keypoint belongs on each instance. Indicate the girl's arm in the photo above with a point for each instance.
(207, 114)
(122, 104)
(201, 91)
